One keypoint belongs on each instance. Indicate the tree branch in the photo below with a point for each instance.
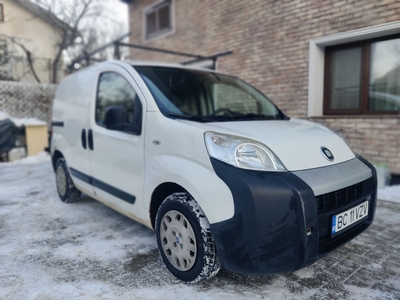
(28, 57)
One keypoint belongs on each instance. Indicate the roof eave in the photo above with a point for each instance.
(45, 15)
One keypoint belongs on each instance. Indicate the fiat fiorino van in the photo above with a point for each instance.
(223, 176)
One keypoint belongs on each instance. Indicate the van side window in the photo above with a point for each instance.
(114, 90)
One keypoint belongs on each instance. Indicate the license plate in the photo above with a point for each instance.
(349, 217)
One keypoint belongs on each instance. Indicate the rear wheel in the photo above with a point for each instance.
(67, 192)
(184, 239)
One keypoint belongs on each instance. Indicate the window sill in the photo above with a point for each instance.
(374, 116)
(157, 35)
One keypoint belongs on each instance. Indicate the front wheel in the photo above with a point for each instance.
(184, 239)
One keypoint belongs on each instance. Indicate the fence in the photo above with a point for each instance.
(27, 100)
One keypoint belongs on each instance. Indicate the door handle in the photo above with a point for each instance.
(90, 139)
(83, 138)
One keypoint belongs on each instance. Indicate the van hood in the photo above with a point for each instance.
(297, 143)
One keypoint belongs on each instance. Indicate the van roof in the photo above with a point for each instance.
(138, 63)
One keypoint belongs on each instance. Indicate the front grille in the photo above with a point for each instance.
(328, 243)
(331, 201)
(338, 201)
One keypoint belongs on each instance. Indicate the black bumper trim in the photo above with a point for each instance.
(267, 234)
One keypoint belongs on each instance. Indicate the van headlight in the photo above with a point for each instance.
(241, 152)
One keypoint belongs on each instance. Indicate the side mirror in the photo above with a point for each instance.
(116, 118)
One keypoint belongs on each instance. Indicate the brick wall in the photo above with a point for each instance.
(375, 138)
(270, 40)
(27, 100)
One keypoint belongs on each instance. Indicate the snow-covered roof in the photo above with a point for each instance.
(23, 121)
(40, 12)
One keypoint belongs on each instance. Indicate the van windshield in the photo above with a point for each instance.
(206, 96)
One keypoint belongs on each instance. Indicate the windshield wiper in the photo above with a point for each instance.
(256, 117)
(191, 118)
(250, 116)
(235, 117)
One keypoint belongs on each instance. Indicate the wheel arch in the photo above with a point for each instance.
(55, 157)
(158, 196)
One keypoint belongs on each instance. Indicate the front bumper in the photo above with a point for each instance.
(273, 211)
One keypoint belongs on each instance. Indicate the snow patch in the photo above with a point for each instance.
(390, 193)
(53, 250)
(4, 116)
(33, 159)
(28, 122)
(23, 121)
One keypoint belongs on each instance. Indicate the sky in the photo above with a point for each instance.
(120, 10)
(109, 28)
(116, 25)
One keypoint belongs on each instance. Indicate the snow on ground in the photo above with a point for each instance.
(85, 250)
(32, 159)
(390, 193)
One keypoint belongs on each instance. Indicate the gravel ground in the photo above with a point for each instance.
(85, 250)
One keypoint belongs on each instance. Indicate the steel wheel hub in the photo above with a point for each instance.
(178, 240)
(61, 181)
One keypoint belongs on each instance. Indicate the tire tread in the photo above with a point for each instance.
(72, 194)
(211, 263)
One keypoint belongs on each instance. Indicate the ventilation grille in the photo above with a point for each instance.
(331, 201)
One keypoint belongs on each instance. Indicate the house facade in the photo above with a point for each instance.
(333, 62)
(23, 24)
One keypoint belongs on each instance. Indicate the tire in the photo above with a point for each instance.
(184, 239)
(67, 192)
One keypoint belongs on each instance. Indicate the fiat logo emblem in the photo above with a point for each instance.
(327, 153)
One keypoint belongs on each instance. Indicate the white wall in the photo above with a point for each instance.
(38, 36)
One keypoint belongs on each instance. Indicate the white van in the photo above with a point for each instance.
(211, 164)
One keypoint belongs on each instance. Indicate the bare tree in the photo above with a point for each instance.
(70, 15)
(7, 56)
(95, 37)
(77, 27)
(29, 58)
(80, 27)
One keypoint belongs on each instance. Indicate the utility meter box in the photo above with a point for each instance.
(36, 138)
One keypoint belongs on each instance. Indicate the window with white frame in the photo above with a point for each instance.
(1, 12)
(356, 72)
(4, 57)
(158, 19)
(363, 77)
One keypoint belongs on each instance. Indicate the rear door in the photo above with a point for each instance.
(117, 157)
(71, 123)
